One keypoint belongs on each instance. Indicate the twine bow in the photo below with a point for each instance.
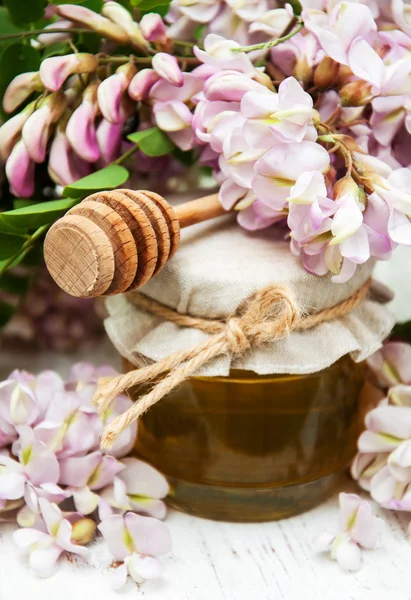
(270, 314)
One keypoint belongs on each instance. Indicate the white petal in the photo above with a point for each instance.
(118, 577)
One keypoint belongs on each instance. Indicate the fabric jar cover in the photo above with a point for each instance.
(216, 268)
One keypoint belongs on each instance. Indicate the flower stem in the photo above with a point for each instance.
(126, 155)
(268, 45)
(28, 244)
(143, 60)
(34, 32)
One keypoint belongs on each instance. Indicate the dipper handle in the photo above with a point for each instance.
(116, 241)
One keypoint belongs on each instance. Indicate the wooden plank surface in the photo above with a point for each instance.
(220, 561)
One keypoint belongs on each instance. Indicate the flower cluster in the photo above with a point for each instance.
(383, 463)
(247, 22)
(359, 528)
(58, 483)
(309, 125)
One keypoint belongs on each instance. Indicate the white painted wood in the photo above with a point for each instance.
(221, 561)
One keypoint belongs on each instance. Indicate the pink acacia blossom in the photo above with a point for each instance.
(359, 528)
(166, 66)
(36, 465)
(65, 165)
(81, 127)
(142, 83)
(138, 487)
(37, 129)
(111, 92)
(153, 28)
(55, 70)
(20, 89)
(86, 474)
(45, 547)
(20, 171)
(174, 116)
(136, 542)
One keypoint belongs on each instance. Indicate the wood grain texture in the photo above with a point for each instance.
(214, 560)
(201, 209)
(171, 218)
(159, 223)
(141, 229)
(79, 256)
(121, 239)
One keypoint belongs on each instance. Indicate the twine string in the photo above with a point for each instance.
(270, 314)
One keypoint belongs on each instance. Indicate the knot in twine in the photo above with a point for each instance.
(270, 314)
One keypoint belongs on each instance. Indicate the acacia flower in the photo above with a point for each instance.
(20, 88)
(138, 487)
(86, 474)
(81, 128)
(359, 528)
(135, 541)
(118, 14)
(55, 70)
(20, 171)
(36, 465)
(166, 66)
(45, 547)
(37, 129)
(85, 17)
(142, 83)
(153, 28)
(111, 91)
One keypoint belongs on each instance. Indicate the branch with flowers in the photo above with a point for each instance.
(301, 115)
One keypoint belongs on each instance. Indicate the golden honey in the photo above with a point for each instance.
(253, 447)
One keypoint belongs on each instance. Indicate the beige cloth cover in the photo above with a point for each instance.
(216, 268)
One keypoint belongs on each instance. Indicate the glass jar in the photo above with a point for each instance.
(253, 447)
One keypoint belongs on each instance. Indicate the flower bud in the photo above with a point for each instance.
(36, 130)
(45, 39)
(20, 171)
(303, 70)
(142, 83)
(167, 67)
(153, 28)
(356, 93)
(118, 14)
(109, 140)
(87, 18)
(111, 91)
(10, 131)
(20, 89)
(83, 531)
(55, 70)
(326, 73)
(81, 131)
(64, 165)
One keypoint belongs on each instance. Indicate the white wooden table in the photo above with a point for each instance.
(219, 561)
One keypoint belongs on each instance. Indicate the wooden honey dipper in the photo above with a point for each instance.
(114, 242)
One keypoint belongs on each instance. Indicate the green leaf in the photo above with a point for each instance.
(35, 215)
(152, 142)
(10, 245)
(106, 179)
(25, 11)
(14, 284)
(56, 49)
(95, 5)
(199, 32)
(15, 59)
(7, 27)
(158, 6)
(6, 312)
